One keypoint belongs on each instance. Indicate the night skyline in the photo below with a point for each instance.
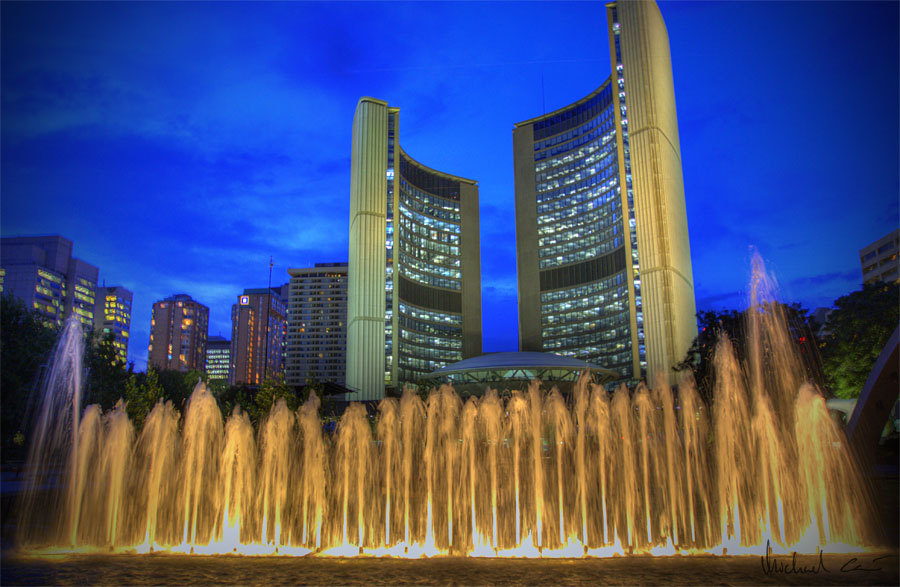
(180, 145)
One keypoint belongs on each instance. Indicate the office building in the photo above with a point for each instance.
(178, 331)
(316, 345)
(41, 271)
(603, 257)
(257, 336)
(218, 358)
(879, 260)
(414, 277)
(112, 314)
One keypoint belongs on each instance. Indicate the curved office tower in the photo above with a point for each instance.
(414, 287)
(604, 263)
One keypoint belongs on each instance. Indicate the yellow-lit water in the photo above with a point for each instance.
(537, 474)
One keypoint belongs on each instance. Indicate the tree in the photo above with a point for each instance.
(142, 392)
(107, 375)
(178, 386)
(858, 328)
(231, 396)
(25, 345)
(270, 391)
(699, 358)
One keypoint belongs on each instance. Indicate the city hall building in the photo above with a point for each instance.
(414, 276)
(604, 265)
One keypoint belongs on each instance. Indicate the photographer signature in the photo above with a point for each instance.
(772, 565)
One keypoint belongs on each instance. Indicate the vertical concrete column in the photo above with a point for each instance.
(470, 252)
(365, 295)
(667, 283)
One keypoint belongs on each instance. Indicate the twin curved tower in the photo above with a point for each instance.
(601, 227)
(414, 290)
(603, 256)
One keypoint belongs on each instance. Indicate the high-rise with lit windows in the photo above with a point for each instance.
(257, 336)
(112, 315)
(316, 346)
(604, 265)
(41, 271)
(178, 332)
(218, 358)
(414, 291)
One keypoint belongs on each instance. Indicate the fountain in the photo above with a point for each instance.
(654, 471)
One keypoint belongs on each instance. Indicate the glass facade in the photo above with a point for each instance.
(428, 278)
(218, 358)
(583, 237)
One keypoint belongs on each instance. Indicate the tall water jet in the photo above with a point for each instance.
(85, 459)
(602, 430)
(313, 471)
(449, 436)
(517, 408)
(115, 464)
(490, 413)
(582, 398)
(354, 440)
(276, 446)
(535, 412)
(470, 447)
(54, 444)
(733, 457)
(561, 424)
(412, 418)
(237, 480)
(388, 435)
(156, 453)
(696, 473)
(201, 445)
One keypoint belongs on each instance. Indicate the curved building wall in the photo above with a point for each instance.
(601, 232)
(429, 289)
(571, 235)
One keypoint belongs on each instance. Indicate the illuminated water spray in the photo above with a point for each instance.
(533, 473)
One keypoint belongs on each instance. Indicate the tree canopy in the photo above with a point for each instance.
(858, 328)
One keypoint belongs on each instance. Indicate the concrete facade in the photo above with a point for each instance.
(258, 322)
(880, 261)
(112, 314)
(316, 346)
(41, 271)
(604, 265)
(414, 283)
(178, 332)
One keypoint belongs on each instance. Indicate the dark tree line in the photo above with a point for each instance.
(26, 345)
(838, 360)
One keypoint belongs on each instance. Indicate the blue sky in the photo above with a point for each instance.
(179, 145)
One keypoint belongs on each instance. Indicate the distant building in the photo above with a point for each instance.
(41, 271)
(602, 249)
(821, 316)
(879, 261)
(178, 334)
(218, 358)
(112, 314)
(316, 346)
(414, 279)
(257, 336)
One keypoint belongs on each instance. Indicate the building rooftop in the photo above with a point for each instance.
(496, 368)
